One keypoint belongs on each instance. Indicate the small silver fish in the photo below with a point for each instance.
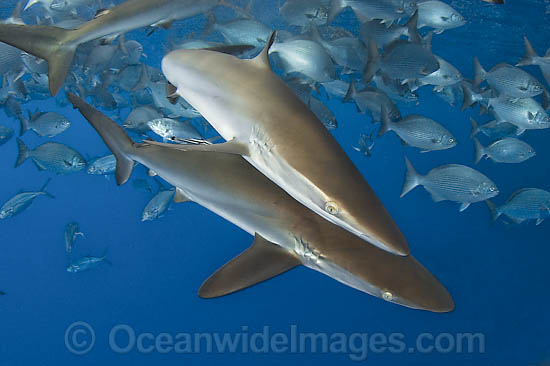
(453, 182)
(158, 204)
(323, 113)
(102, 166)
(47, 124)
(494, 130)
(138, 118)
(171, 129)
(365, 144)
(508, 80)
(71, 233)
(525, 204)
(507, 150)
(301, 13)
(438, 15)
(445, 76)
(22, 201)
(419, 131)
(373, 100)
(86, 263)
(52, 156)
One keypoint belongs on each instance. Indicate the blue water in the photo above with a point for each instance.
(497, 274)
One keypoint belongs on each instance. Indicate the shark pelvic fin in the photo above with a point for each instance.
(262, 261)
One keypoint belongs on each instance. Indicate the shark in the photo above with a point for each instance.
(264, 121)
(286, 233)
(58, 45)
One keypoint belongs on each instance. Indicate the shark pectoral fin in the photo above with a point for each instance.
(171, 93)
(180, 196)
(229, 147)
(262, 261)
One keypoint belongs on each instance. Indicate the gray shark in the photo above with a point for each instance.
(264, 121)
(286, 233)
(57, 45)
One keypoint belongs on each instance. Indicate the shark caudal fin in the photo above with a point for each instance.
(53, 44)
(262, 261)
(112, 134)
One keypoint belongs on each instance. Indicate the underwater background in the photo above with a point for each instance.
(497, 273)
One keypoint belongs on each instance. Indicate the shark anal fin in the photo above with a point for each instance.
(262, 261)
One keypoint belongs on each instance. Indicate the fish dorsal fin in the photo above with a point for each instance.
(262, 261)
(263, 57)
(180, 196)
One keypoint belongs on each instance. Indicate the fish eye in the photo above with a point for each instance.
(492, 188)
(331, 207)
(451, 140)
(388, 296)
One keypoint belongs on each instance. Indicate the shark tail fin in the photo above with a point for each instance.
(112, 134)
(529, 54)
(23, 152)
(53, 44)
(262, 261)
(412, 178)
(479, 151)
(372, 61)
(479, 72)
(493, 210)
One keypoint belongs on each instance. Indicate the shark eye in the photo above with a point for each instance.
(331, 207)
(388, 296)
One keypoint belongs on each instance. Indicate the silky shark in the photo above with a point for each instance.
(286, 233)
(57, 45)
(265, 122)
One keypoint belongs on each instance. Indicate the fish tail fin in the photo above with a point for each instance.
(493, 210)
(372, 61)
(412, 28)
(210, 23)
(529, 54)
(104, 257)
(336, 6)
(23, 152)
(116, 139)
(479, 151)
(55, 45)
(479, 73)
(475, 128)
(386, 122)
(469, 99)
(351, 91)
(412, 178)
(43, 188)
(24, 123)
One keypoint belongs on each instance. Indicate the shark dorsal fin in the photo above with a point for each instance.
(262, 261)
(263, 57)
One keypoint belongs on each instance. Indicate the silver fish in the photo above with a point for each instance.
(6, 133)
(102, 166)
(171, 129)
(86, 263)
(71, 233)
(386, 10)
(373, 100)
(158, 205)
(179, 109)
(401, 60)
(240, 31)
(47, 124)
(384, 35)
(525, 113)
(139, 117)
(306, 57)
(52, 156)
(438, 15)
(301, 13)
(508, 80)
(22, 201)
(365, 144)
(525, 204)
(453, 182)
(336, 88)
(323, 113)
(507, 150)
(446, 75)
(494, 130)
(419, 131)
(394, 88)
